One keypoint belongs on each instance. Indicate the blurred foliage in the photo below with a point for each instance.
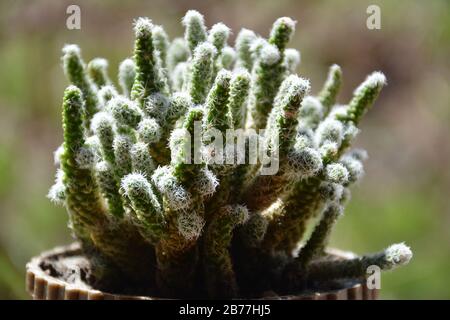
(404, 196)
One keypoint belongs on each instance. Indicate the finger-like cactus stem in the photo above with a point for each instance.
(177, 52)
(310, 113)
(82, 195)
(329, 130)
(243, 43)
(336, 173)
(239, 90)
(266, 80)
(195, 30)
(148, 214)
(283, 118)
(354, 167)
(105, 94)
(319, 238)
(254, 230)
(330, 90)
(147, 74)
(141, 160)
(292, 59)
(280, 136)
(220, 278)
(161, 43)
(281, 32)
(109, 186)
(217, 115)
(127, 75)
(175, 195)
(189, 151)
(218, 36)
(103, 126)
(227, 58)
(126, 113)
(75, 71)
(201, 72)
(149, 131)
(287, 222)
(394, 256)
(363, 97)
(97, 70)
(122, 148)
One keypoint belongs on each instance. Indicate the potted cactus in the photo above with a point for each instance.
(156, 210)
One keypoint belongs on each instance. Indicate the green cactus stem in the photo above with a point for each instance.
(147, 80)
(243, 45)
(75, 70)
(330, 90)
(239, 91)
(195, 28)
(201, 72)
(280, 136)
(127, 75)
(97, 70)
(318, 241)
(220, 278)
(82, 194)
(394, 256)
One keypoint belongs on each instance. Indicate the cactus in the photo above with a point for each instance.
(153, 209)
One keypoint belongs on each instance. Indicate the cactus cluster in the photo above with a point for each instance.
(155, 215)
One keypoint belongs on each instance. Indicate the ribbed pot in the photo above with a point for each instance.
(43, 286)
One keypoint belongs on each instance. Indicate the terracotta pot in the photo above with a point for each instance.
(41, 285)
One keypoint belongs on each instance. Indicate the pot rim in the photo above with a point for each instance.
(43, 286)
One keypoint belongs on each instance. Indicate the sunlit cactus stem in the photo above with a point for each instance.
(82, 195)
(186, 171)
(291, 60)
(176, 253)
(195, 28)
(161, 41)
(127, 75)
(98, 72)
(243, 44)
(281, 32)
(75, 71)
(265, 82)
(268, 70)
(148, 214)
(147, 80)
(109, 186)
(217, 114)
(239, 90)
(201, 71)
(280, 138)
(364, 97)
(219, 118)
(177, 52)
(331, 88)
(88, 217)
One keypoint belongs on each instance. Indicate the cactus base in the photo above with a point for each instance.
(59, 274)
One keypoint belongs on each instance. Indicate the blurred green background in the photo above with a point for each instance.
(405, 194)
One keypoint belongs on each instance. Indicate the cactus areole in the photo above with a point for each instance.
(154, 209)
